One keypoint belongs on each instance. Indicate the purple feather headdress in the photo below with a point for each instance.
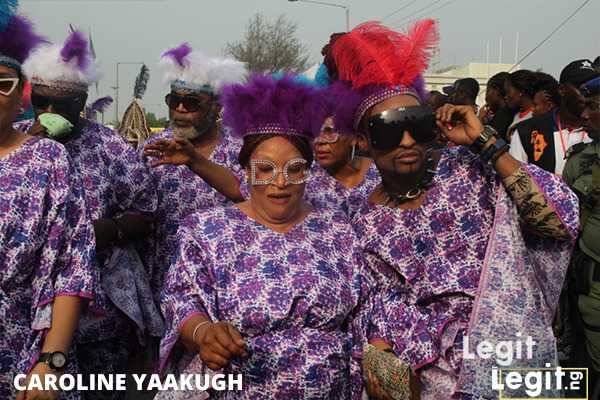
(17, 41)
(266, 104)
(178, 54)
(76, 47)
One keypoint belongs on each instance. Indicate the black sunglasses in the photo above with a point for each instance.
(386, 130)
(190, 103)
(61, 105)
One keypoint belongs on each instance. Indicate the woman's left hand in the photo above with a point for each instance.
(464, 132)
(41, 369)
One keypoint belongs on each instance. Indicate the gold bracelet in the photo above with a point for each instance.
(196, 329)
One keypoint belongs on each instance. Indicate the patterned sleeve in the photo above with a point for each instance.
(188, 289)
(129, 176)
(545, 203)
(392, 372)
(67, 259)
(364, 319)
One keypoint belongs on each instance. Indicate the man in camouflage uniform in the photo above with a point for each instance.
(582, 174)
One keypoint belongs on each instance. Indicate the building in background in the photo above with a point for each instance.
(436, 80)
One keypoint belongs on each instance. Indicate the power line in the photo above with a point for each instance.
(550, 35)
(436, 9)
(416, 12)
(410, 3)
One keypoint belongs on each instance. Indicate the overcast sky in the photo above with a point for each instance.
(139, 30)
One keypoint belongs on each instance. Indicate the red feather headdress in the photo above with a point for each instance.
(372, 55)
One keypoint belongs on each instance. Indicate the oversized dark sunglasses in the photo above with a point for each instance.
(386, 130)
(60, 105)
(190, 103)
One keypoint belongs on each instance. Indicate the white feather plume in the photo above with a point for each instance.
(200, 70)
(46, 63)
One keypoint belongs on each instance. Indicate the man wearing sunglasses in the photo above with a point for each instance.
(582, 174)
(193, 155)
(469, 245)
(120, 199)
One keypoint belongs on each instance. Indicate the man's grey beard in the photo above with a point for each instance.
(189, 133)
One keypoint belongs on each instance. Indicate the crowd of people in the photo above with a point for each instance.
(346, 237)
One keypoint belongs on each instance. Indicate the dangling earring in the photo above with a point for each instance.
(353, 152)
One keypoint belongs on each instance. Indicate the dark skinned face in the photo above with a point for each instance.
(572, 99)
(62, 102)
(542, 104)
(409, 157)
(337, 154)
(9, 105)
(191, 124)
(513, 96)
(493, 98)
(591, 116)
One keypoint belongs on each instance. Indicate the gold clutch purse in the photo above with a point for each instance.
(392, 373)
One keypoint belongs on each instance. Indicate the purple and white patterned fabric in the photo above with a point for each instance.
(464, 250)
(301, 301)
(115, 182)
(47, 249)
(323, 190)
(180, 193)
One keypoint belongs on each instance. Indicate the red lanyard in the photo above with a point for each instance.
(562, 141)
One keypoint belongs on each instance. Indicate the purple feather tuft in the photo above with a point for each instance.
(348, 100)
(18, 39)
(98, 106)
(346, 105)
(265, 100)
(178, 53)
(76, 46)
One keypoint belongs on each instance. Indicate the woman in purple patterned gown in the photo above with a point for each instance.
(340, 178)
(120, 199)
(47, 271)
(467, 242)
(270, 288)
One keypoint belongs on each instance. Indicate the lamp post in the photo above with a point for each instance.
(116, 87)
(323, 3)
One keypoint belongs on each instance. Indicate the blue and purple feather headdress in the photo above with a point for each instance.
(274, 105)
(17, 37)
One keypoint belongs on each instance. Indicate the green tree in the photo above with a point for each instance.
(270, 46)
(154, 122)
